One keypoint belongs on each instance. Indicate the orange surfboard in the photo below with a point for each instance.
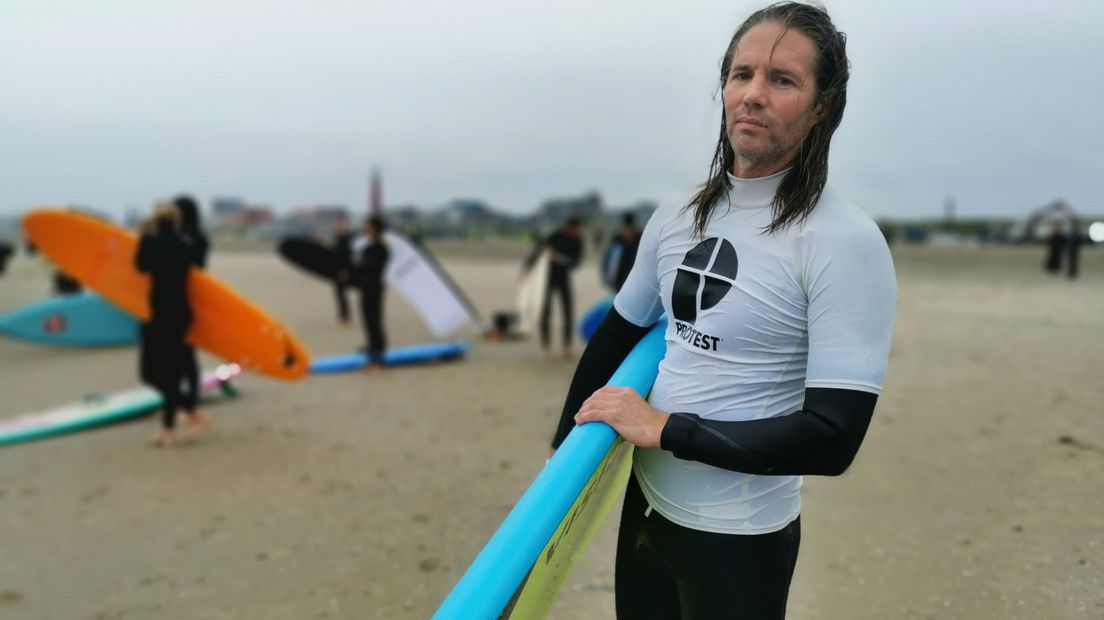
(101, 256)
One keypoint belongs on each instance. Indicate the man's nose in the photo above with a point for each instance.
(755, 92)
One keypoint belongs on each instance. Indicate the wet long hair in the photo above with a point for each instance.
(802, 186)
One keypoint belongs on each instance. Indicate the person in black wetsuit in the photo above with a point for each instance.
(624, 244)
(343, 246)
(6, 251)
(1056, 245)
(167, 258)
(370, 253)
(191, 233)
(565, 247)
(1073, 249)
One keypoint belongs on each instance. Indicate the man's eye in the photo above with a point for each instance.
(783, 81)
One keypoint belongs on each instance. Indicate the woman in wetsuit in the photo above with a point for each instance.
(167, 258)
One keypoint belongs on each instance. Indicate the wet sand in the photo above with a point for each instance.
(976, 495)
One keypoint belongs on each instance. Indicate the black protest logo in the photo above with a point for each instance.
(705, 277)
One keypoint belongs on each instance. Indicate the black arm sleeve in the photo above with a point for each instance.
(820, 439)
(609, 345)
(143, 259)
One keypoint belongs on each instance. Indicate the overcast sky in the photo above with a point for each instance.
(117, 104)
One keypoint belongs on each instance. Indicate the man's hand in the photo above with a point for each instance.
(627, 413)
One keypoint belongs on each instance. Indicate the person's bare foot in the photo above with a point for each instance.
(198, 422)
(163, 439)
(373, 369)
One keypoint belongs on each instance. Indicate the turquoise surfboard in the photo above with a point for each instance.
(526, 561)
(399, 356)
(80, 320)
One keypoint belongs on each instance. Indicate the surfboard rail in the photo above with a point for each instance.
(494, 578)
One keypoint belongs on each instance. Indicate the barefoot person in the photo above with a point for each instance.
(780, 298)
(167, 258)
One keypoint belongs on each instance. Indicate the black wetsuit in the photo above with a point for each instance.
(167, 258)
(750, 575)
(343, 248)
(6, 252)
(66, 285)
(370, 265)
(568, 252)
(630, 243)
(1073, 252)
(1056, 245)
(199, 246)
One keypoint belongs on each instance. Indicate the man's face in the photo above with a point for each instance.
(768, 98)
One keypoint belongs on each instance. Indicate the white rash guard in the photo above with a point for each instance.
(754, 319)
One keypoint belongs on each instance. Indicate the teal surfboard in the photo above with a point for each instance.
(81, 320)
(527, 560)
(97, 409)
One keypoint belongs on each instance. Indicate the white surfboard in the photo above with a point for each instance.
(531, 293)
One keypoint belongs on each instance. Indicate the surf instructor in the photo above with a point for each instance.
(780, 298)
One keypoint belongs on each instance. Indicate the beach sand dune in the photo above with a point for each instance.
(977, 494)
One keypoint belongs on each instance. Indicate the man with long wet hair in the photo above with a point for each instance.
(780, 297)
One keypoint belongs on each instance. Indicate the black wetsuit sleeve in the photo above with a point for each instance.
(202, 247)
(144, 259)
(534, 254)
(611, 342)
(820, 439)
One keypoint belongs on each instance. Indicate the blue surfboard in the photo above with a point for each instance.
(81, 320)
(594, 317)
(393, 357)
(506, 564)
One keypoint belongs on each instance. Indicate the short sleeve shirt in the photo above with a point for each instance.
(753, 319)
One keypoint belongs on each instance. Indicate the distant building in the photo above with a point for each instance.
(233, 214)
(554, 211)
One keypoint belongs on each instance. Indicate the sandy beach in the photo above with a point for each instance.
(977, 494)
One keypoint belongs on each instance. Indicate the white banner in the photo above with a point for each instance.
(430, 292)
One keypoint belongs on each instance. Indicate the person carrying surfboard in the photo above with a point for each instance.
(342, 246)
(780, 297)
(371, 254)
(167, 258)
(565, 249)
(621, 253)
